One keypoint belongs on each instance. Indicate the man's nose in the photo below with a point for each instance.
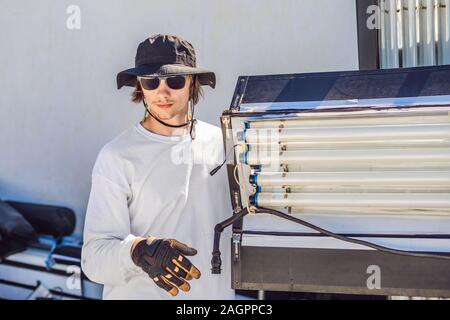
(163, 88)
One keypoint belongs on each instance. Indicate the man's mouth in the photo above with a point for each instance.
(164, 106)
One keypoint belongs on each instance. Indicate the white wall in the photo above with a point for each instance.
(58, 100)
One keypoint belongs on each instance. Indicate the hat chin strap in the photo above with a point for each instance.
(192, 121)
(165, 123)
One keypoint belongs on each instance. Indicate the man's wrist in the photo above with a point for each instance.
(136, 241)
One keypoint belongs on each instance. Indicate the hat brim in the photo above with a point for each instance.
(128, 77)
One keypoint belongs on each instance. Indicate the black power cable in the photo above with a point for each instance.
(216, 261)
(214, 171)
(351, 240)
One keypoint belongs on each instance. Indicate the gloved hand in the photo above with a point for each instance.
(165, 262)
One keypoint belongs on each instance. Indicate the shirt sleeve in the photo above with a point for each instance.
(106, 252)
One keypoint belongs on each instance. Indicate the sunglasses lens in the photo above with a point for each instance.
(176, 82)
(150, 83)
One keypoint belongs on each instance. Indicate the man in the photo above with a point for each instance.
(153, 204)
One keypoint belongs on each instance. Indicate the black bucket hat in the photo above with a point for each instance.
(163, 55)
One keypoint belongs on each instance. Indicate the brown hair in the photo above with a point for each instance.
(196, 91)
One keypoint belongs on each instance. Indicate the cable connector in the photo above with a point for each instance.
(214, 171)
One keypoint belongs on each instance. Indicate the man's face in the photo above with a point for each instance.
(168, 103)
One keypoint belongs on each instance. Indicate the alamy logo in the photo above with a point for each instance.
(373, 21)
(374, 280)
(73, 21)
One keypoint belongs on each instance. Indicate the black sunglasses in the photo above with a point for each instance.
(173, 82)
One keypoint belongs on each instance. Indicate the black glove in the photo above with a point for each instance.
(165, 262)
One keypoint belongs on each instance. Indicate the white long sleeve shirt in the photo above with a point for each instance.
(147, 184)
